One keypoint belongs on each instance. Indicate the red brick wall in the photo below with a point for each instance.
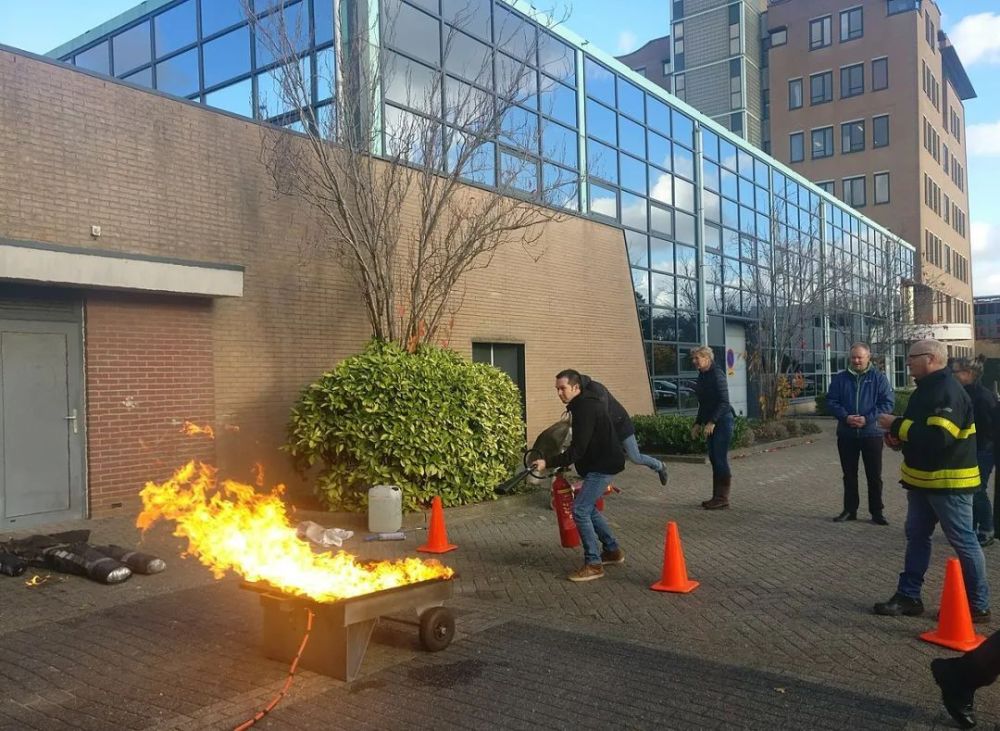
(148, 370)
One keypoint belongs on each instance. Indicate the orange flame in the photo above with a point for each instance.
(193, 430)
(231, 527)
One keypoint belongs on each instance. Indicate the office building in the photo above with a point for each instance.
(844, 113)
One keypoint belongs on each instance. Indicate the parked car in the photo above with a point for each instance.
(668, 394)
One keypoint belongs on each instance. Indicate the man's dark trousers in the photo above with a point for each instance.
(869, 450)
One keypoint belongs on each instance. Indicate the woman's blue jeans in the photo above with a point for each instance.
(718, 446)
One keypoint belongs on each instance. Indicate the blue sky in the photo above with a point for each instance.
(621, 27)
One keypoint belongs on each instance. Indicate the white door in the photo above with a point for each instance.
(735, 363)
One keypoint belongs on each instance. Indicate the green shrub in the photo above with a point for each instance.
(821, 405)
(902, 400)
(430, 422)
(770, 431)
(671, 434)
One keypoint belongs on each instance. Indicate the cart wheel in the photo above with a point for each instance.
(437, 628)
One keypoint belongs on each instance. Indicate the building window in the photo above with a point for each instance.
(734, 31)
(852, 136)
(507, 357)
(820, 32)
(680, 86)
(678, 39)
(880, 74)
(851, 24)
(828, 185)
(901, 6)
(854, 191)
(735, 84)
(779, 37)
(881, 184)
(796, 152)
(666, 68)
(795, 94)
(880, 131)
(852, 80)
(736, 123)
(821, 88)
(822, 142)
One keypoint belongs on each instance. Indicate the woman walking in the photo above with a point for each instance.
(715, 420)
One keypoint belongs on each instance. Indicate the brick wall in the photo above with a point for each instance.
(173, 179)
(148, 370)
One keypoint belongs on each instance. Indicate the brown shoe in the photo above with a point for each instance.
(589, 572)
(615, 556)
(716, 503)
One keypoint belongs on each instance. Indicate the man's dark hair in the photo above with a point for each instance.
(571, 376)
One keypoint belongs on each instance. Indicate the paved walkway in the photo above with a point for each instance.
(779, 634)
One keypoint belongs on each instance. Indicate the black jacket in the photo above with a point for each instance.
(984, 406)
(595, 446)
(938, 432)
(713, 395)
(620, 419)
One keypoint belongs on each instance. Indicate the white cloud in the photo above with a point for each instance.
(977, 38)
(626, 41)
(985, 258)
(983, 139)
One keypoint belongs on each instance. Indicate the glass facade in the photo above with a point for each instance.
(706, 217)
(202, 50)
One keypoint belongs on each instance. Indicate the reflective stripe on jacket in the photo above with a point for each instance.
(938, 432)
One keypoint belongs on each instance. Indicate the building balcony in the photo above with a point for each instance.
(943, 331)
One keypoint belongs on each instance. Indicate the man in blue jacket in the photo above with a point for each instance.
(857, 397)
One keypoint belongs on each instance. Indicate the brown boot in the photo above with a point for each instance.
(715, 493)
(721, 499)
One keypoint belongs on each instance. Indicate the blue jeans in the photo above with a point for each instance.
(590, 522)
(718, 446)
(982, 511)
(954, 511)
(635, 457)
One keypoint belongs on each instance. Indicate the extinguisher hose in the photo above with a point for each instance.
(288, 681)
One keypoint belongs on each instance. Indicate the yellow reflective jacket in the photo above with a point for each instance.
(938, 432)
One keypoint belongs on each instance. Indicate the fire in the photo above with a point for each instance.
(232, 527)
(192, 429)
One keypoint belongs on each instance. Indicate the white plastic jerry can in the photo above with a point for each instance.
(385, 509)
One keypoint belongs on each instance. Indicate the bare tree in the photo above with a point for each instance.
(883, 301)
(419, 177)
(791, 283)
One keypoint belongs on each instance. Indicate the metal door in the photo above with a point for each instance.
(42, 419)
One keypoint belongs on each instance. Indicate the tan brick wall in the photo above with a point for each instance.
(172, 179)
(149, 369)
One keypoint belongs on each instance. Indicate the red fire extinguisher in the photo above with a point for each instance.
(563, 494)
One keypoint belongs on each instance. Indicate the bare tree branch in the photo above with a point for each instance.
(421, 190)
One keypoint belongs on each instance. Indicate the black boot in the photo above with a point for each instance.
(721, 498)
(956, 695)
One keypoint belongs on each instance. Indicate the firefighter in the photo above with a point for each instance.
(937, 435)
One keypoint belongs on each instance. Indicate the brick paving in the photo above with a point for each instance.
(779, 634)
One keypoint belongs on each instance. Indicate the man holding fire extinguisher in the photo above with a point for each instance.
(598, 456)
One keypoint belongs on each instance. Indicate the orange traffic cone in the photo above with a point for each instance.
(675, 576)
(954, 628)
(437, 536)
